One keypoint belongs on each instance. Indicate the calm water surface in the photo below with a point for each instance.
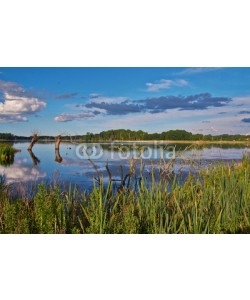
(44, 165)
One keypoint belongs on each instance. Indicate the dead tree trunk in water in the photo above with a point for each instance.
(58, 157)
(58, 141)
(35, 138)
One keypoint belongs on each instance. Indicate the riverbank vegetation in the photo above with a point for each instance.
(7, 153)
(217, 200)
(131, 135)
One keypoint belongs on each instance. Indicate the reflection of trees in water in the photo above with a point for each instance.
(178, 146)
(58, 157)
(7, 162)
(33, 157)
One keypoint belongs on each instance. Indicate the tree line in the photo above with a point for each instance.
(139, 135)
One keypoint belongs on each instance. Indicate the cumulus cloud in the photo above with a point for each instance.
(122, 106)
(17, 103)
(176, 118)
(160, 104)
(11, 87)
(165, 84)
(72, 117)
(199, 101)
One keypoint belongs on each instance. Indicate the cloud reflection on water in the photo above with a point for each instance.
(20, 171)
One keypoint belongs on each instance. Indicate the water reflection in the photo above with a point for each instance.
(7, 154)
(33, 157)
(58, 157)
(20, 171)
(7, 162)
(48, 161)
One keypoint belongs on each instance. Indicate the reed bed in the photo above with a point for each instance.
(216, 200)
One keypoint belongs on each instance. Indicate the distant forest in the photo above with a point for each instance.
(125, 135)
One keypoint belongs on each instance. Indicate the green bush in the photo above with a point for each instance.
(7, 154)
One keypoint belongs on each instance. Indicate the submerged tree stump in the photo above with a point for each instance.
(58, 141)
(58, 157)
(35, 138)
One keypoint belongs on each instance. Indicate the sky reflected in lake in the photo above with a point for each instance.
(65, 166)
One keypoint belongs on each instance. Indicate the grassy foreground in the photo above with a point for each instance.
(217, 201)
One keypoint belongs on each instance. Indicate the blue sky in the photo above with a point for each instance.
(78, 100)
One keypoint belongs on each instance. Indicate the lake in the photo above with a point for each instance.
(71, 165)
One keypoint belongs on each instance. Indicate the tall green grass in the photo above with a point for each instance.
(215, 201)
(7, 153)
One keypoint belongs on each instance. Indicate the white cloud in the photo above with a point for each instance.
(92, 110)
(88, 112)
(72, 117)
(108, 100)
(240, 101)
(12, 119)
(17, 103)
(188, 71)
(165, 84)
(12, 87)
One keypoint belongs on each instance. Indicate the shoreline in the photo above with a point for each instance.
(134, 141)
